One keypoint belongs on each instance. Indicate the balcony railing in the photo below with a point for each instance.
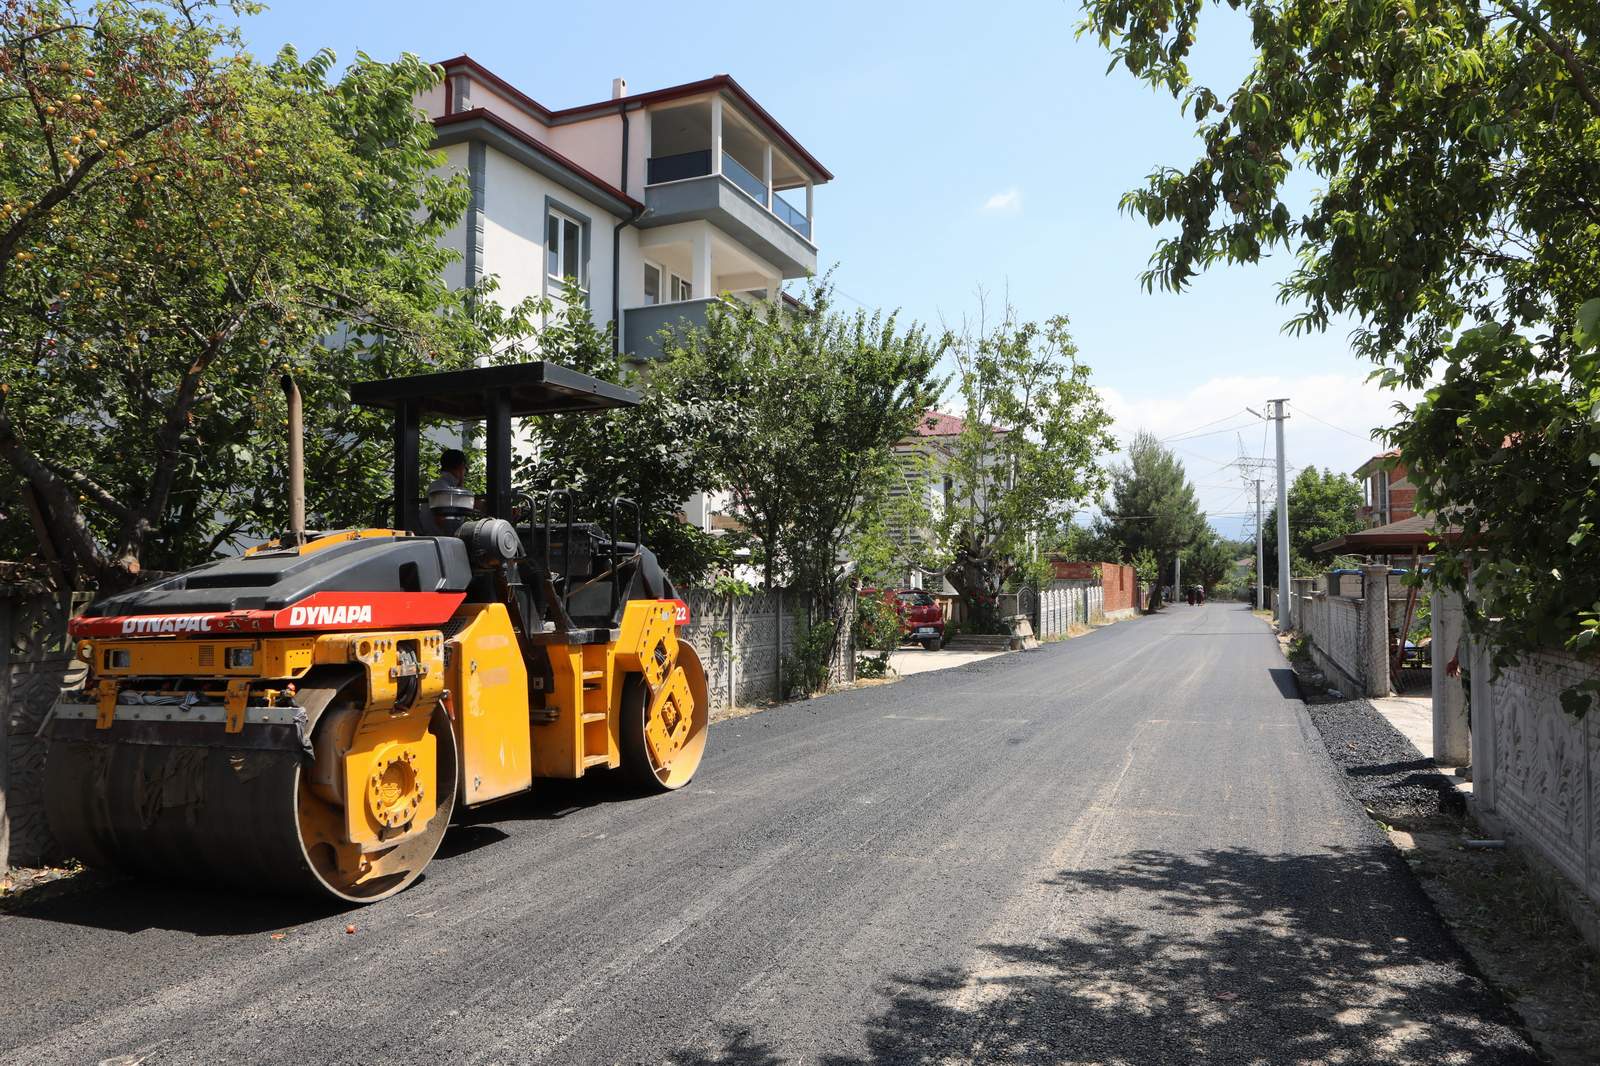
(791, 216)
(665, 168)
(735, 172)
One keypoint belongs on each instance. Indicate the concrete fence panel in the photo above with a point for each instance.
(1536, 768)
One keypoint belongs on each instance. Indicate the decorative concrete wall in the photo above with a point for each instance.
(1347, 639)
(1536, 769)
(743, 640)
(1063, 604)
(1332, 627)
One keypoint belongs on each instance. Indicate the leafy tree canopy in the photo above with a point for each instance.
(179, 225)
(1152, 506)
(653, 454)
(1208, 561)
(1323, 504)
(1028, 454)
(802, 408)
(1457, 143)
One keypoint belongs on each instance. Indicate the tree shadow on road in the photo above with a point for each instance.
(1226, 955)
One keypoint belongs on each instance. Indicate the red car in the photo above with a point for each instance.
(921, 617)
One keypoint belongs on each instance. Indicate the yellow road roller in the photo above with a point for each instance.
(308, 717)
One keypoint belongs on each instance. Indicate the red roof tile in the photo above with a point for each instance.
(938, 424)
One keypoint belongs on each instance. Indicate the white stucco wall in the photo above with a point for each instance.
(514, 227)
(432, 101)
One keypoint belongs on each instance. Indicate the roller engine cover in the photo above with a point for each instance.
(490, 542)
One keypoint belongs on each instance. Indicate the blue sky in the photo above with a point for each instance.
(971, 148)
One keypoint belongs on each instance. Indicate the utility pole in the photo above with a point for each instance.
(1284, 614)
(1261, 560)
(1177, 577)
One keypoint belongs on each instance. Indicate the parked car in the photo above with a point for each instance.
(921, 617)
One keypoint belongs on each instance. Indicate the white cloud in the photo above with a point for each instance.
(1007, 202)
(1330, 416)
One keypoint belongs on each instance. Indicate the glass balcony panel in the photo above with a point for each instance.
(737, 173)
(677, 167)
(791, 216)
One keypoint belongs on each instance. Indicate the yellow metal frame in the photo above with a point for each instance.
(487, 682)
(586, 699)
(275, 657)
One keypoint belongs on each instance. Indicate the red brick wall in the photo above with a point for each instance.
(1401, 502)
(1120, 585)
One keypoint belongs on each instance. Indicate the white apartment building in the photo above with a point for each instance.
(657, 202)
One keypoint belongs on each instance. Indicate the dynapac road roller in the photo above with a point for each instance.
(309, 716)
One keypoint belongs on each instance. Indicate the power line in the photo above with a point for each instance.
(1330, 425)
(1184, 433)
(1212, 433)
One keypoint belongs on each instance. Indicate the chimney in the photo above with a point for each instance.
(619, 88)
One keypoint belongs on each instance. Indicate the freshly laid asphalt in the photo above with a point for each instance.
(1126, 848)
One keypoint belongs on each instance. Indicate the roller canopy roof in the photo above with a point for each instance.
(531, 389)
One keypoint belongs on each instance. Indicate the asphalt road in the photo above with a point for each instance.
(1127, 848)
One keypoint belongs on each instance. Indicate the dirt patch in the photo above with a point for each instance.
(1515, 932)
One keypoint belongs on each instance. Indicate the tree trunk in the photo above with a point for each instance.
(973, 579)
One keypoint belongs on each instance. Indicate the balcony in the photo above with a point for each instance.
(642, 326)
(670, 168)
(712, 165)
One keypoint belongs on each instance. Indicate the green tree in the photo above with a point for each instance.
(1088, 544)
(1323, 504)
(178, 226)
(653, 454)
(803, 407)
(1537, 574)
(1152, 506)
(1456, 142)
(1208, 561)
(890, 536)
(1027, 455)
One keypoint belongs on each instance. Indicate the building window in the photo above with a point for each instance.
(564, 249)
(663, 286)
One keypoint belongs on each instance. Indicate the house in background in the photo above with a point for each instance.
(926, 456)
(1388, 491)
(657, 203)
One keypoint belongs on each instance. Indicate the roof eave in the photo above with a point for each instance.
(819, 174)
(486, 125)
